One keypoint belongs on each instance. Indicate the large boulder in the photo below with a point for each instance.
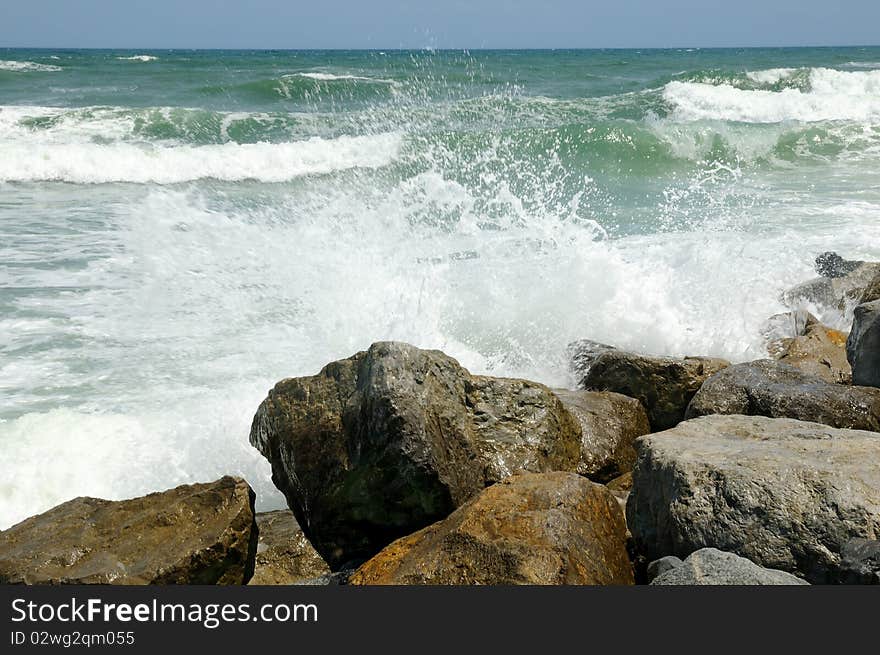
(193, 534)
(785, 494)
(390, 440)
(819, 350)
(768, 388)
(664, 385)
(710, 566)
(863, 345)
(610, 423)
(284, 555)
(547, 529)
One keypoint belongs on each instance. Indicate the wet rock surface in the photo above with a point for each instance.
(546, 529)
(664, 385)
(776, 390)
(193, 534)
(390, 440)
(863, 345)
(610, 423)
(284, 555)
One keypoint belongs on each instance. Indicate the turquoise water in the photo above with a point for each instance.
(181, 229)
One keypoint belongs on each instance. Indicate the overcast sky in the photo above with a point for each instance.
(436, 23)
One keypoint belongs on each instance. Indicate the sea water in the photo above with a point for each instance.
(181, 229)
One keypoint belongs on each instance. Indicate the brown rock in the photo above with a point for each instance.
(610, 423)
(820, 351)
(664, 385)
(193, 534)
(284, 555)
(393, 439)
(551, 528)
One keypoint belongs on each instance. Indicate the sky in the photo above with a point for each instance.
(436, 23)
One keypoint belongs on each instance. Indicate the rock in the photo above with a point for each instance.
(660, 566)
(664, 385)
(284, 555)
(193, 534)
(860, 562)
(839, 293)
(785, 494)
(620, 487)
(710, 566)
(872, 291)
(819, 351)
(582, 353)
(390, 440)
(768, 388)
(610, 423)
(335, 579)
(863, 345)
(550, 528)
(832, 265)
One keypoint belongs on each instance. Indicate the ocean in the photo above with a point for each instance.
(181, 229)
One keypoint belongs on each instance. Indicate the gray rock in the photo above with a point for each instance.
(768, 388)
(710, 566)
(830, 264)
(390, 440)
(786, 494)
(284, 555)
(837, 293)
(610, 423)
(863, 345)
(860, 562)
(660, 566)
(664, 385)
(193, 534)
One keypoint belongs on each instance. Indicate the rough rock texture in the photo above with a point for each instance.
(390, 440)
(863, 345)
(550, 528)
(860, 562)
(621, 487)
(786, 494)
(819, 351)
(830, 264)
(768, 388)
(660, 566)
(664, 385)
(872, 291)
(840, 292)
(710, 566)
(194, 534)
(284, 555)
(610, 423)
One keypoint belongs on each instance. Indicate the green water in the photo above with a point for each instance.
(180, 229)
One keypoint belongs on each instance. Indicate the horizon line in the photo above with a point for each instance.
(443, 49)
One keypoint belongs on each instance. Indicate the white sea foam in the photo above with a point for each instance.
(833, 95)
(330, 77)
(28, 67)
(771, 75)
(88, 163)
(138, 58)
